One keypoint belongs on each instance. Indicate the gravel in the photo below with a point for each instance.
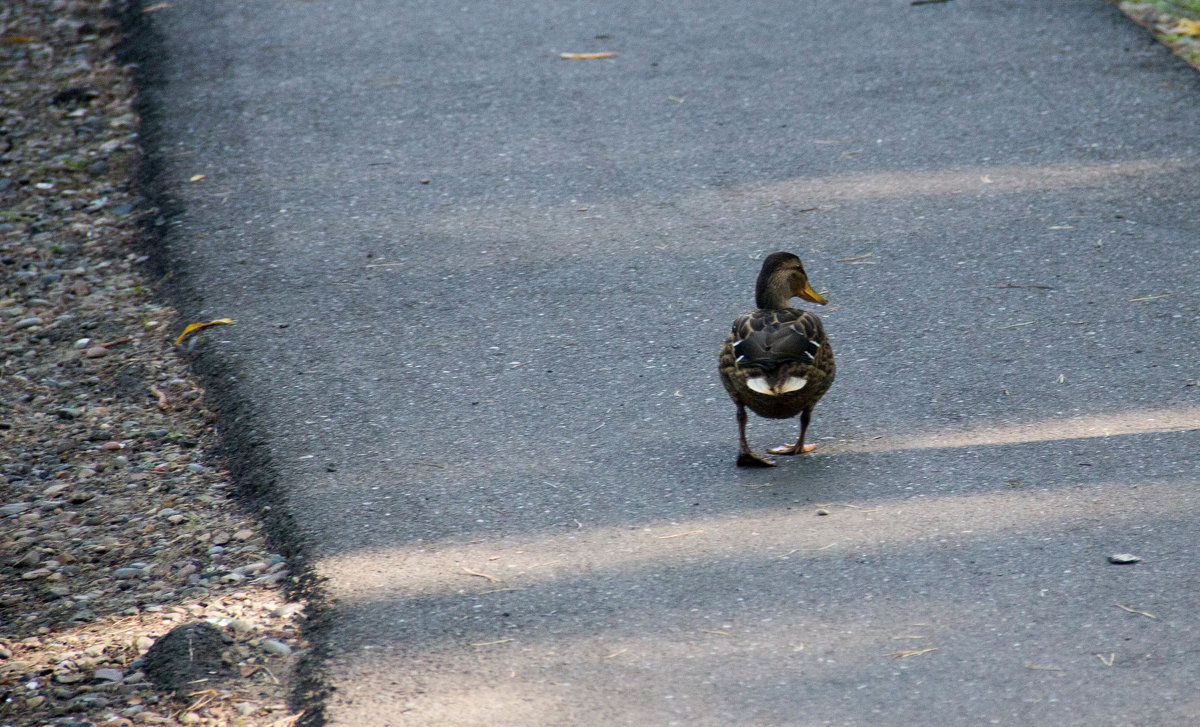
(117, 522)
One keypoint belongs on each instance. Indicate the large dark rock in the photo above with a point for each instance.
(187, 659)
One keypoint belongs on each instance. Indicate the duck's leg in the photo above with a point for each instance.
(746, 458)
(798, 447)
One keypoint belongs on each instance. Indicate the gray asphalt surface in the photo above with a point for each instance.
(480, 290)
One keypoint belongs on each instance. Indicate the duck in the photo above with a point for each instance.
(777, 360)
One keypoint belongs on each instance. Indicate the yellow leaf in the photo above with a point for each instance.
(197, 326)
(196, 178)
(586, 56)
(1187, 27)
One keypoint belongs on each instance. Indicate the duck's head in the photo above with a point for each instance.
(781, 279)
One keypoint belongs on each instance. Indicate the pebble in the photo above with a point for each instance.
(189, 718)
(27, 323)
(15, 508)
(243, 534)
(1123, 558)
(238, 625)
(276, 647)
(53, 490)
(122, 573)
(288, 610)
(109, 674)
(96, 352)
(82, 344)
(822, 511)
(30, 559)
(35, 574)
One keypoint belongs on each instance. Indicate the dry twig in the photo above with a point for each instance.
(679, 535)
(915, 652)
(470, 572)
(1134, 610)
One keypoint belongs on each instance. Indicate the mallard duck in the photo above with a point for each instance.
(777, 360)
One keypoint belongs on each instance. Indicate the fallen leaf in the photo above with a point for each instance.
(1188, 27)
(196, 178)
(197, 326)
(15, 39)
(586, 56)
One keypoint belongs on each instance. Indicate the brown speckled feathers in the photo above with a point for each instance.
(777, 360)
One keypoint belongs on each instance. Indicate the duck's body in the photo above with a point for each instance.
(777, 360)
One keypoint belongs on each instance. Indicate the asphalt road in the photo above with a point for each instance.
(480, 291)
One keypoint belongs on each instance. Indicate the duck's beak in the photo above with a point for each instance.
(806, 292)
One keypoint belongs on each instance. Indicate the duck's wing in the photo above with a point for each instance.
(769, 339)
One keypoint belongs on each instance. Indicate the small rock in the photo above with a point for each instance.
(35, 574)
(96, 352)
(278, 648)
(5, 653)
(245, 709)
(35, 702)
(1123, 559)
(53, 490)
(30, 559)
(68, 677)
(288, 610)
(220, 538)
(15, 508)
(189, 718)
(822, 511)
(183, 655)
(123, 573)
(27, 323)
(109, 674)
(82, 344)
(244, 534)
(273, 577)
(89, 700)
